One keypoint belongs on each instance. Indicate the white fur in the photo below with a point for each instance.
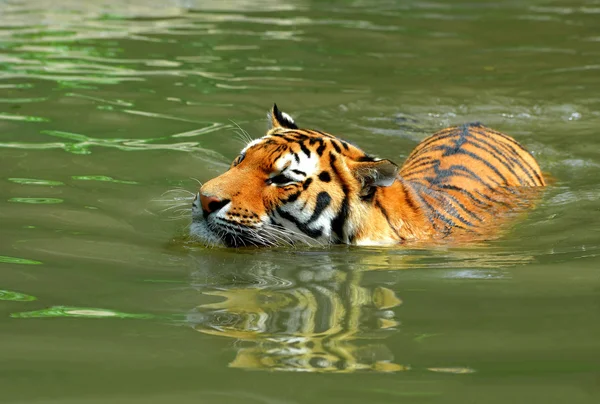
(309, 165)
(288, 118)
(252, 143)
(199, 230)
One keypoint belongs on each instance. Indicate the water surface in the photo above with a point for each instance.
(106, 105)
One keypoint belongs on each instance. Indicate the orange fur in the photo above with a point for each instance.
(297, 185)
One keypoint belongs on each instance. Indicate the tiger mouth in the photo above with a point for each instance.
(215, 231)
(237, 235)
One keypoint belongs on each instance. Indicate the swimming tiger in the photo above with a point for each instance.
(306, 186)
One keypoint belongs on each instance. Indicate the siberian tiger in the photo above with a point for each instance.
(306, 186)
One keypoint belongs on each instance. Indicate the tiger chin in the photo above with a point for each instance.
(303, 186)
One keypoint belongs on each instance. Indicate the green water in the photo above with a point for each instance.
(106, 105)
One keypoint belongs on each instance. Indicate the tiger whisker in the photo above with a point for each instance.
(180, 199)
(294, 235)
(262, 238)
(248, 230)
(172, 207)
(282, 235)
(172, 219)
(183, 211)
(277, 239)
(198, 181)
(242, 134)
(178, 189)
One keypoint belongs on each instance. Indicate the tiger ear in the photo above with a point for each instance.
(280, 119)
(372, 174)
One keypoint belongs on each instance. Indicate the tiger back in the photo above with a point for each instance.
(306, 186)
(466, 177)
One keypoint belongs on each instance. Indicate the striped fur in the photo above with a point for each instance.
(305, 186)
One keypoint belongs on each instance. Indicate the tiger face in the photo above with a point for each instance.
(292, 186)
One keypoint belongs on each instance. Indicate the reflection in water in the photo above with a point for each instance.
(322, 311)
(312, 319)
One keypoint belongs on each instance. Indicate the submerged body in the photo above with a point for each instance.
(305, 186)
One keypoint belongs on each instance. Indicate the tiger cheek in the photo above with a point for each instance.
(271, 198)
(279, 196)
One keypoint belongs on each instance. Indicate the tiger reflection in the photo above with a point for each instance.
(318, 319)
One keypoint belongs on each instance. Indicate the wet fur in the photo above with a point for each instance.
(457, 182)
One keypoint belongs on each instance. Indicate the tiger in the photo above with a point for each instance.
(304, 186)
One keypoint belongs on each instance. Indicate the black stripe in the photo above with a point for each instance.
(434, 214)
(413, 173)
(413, 185)
(292, 198)
(434, 138)
(336, 147)
(520, 161)
(493, 200)
(409, 197)
(512, 157)
(285, 137)
(411, 169)
(339, 221)
(489, 132)
(408, 164)
(387, 218)
(459, 142)
(449, 174)
(368, 193)
(365, 158)
(470, 174)
(323, 201)
(307, 183)
(497, 154)
(465, 192)
(301, 226)
(321, 133)
(304, 149)
(509, 139)
(297, 135)
(274, 223)
(453, 212)
(474, 157)
(321, 147)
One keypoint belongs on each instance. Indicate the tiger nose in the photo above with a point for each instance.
(211, 204)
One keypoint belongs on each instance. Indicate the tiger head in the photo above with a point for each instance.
(292, 186)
